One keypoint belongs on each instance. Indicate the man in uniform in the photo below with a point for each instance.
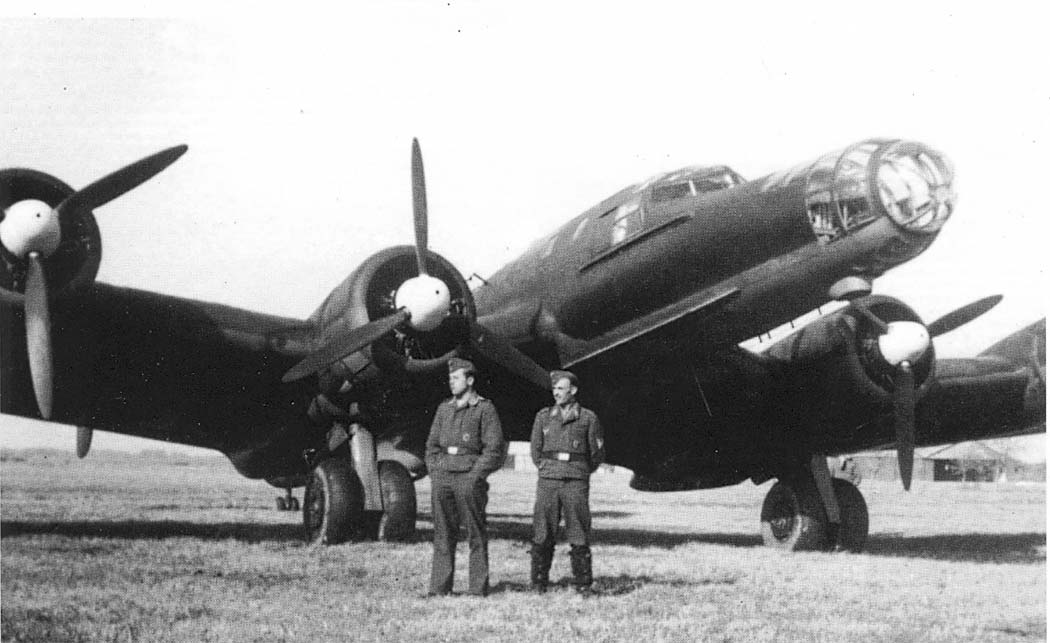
(466, 444)
(567, 446)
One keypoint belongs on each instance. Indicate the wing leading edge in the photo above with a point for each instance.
(163, 367)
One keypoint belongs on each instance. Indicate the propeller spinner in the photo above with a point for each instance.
(31, 230)
(30, 226)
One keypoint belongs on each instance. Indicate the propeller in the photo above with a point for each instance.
(121, 182)
(32, 230)
(38, 334)
(904, 420)
(419, 205)
(423, 303)
(504, 353)
(963, 315)
(84, 434)
(344, 345)
(901, 344)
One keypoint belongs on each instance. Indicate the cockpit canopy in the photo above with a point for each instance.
(690, 181)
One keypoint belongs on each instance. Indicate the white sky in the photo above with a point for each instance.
(300, 126)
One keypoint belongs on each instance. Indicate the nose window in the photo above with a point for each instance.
(915, 187)
(907, 181)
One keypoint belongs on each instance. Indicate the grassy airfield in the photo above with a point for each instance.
(121, 547)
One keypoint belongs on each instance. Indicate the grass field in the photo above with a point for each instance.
(119, 547)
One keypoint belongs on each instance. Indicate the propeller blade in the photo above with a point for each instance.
(344, 345)
(83, 440)
(963, 315)
(904, 420)
(504, 353)
(122, 181)
(419, 206)
(38, 334)
(881, 325)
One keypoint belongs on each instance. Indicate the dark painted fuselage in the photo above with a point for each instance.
(650, 317)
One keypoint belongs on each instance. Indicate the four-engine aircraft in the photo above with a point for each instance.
(648, 296)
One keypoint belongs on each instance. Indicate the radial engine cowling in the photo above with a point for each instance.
(842, 367)
(74, 264)
(371, 293)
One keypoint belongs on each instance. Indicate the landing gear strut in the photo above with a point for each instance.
(288, 502)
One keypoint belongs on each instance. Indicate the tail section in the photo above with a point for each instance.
(1027, 348)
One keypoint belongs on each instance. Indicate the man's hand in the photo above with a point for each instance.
(311, 457)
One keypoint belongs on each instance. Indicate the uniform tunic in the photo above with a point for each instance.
(567, 446)
(465, 445)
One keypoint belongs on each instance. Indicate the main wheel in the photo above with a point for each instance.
(853, 514)
(398, 522)
(333, 503)
(793, 517)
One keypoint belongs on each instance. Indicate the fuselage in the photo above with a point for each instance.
(780, 241)
(730, 258)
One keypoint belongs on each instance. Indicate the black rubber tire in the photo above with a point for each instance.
(793, 518)
(398, 522)
(282, 504)
(853, 514)
(293, 504)
(333, 503)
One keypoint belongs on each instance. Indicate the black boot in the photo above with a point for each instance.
(833, 537)
(541, 567)
(582, 578)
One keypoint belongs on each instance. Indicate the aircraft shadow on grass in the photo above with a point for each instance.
(612, 585)
(154, 530)
(1024, 548)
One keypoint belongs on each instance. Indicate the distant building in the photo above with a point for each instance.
(968, 462)
(965, 461)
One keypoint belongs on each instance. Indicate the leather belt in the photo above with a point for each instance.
(460, 451)
(562, 456)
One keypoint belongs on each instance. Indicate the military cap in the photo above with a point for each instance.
(457, 363)
(557, 376)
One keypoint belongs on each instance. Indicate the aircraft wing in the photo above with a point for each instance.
(162, 367)
(831, 379)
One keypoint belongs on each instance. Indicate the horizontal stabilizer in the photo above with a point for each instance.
(1026, 347)
(1009, 376)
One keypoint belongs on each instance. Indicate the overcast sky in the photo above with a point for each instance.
(300, 127)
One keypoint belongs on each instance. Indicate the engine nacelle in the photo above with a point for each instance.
(369, 293)
(840, 378)
(76, 261)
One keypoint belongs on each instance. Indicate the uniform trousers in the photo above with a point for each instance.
(459, 498)
(555, 498)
